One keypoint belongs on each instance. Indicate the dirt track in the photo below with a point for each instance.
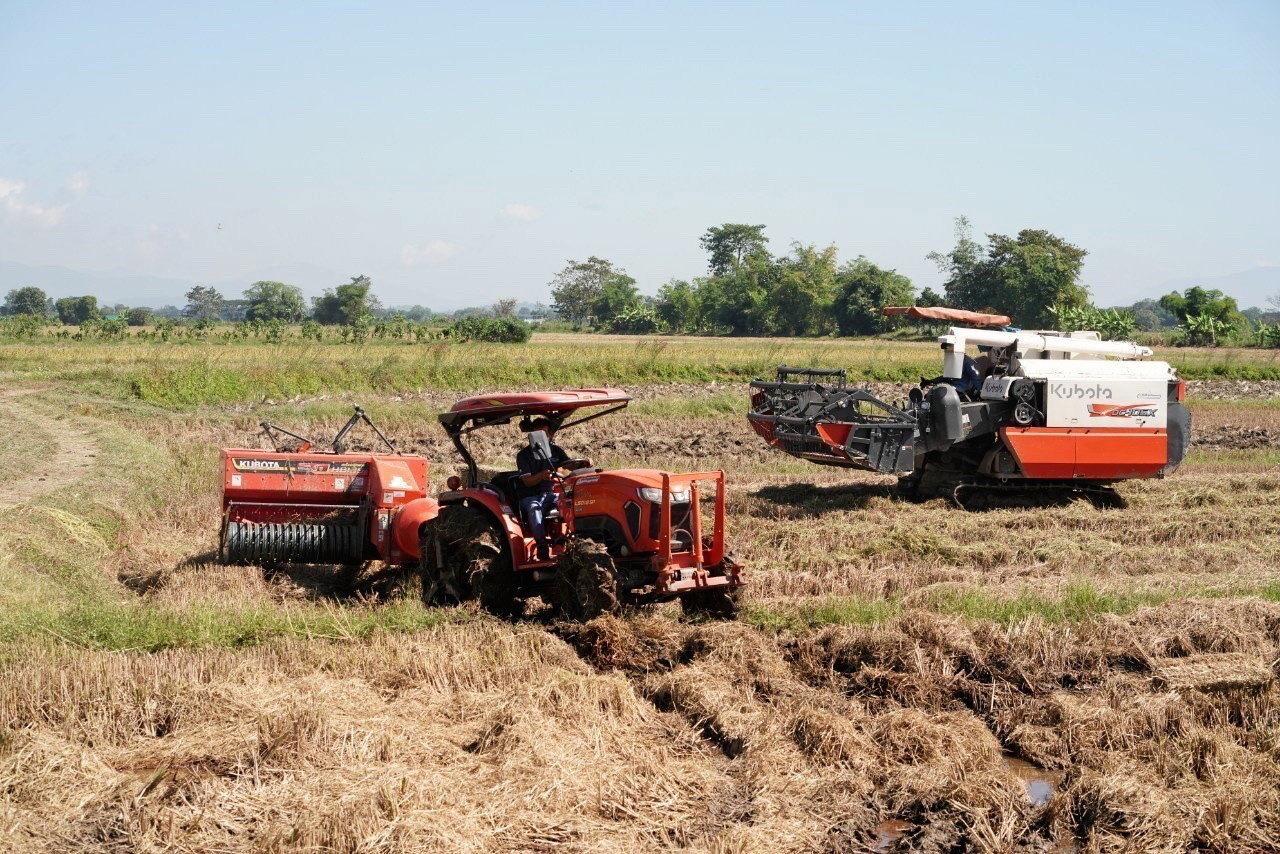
(75, 443)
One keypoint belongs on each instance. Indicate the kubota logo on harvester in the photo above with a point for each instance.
(1122, 410)
(1076, 391)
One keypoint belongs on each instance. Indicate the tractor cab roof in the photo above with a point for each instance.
(955, 315)
(486, 410)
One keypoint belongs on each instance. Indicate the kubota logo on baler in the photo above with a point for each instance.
(1122, 410)
(268, 466)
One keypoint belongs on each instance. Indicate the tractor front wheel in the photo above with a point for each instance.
(587, 583)
(716, 603)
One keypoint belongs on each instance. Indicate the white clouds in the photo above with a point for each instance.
(78, 183)
(519, 212)
(12, 197)
(434, 251)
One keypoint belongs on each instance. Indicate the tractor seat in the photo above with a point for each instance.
(507, 485)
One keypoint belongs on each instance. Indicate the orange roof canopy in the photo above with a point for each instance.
(957, 315)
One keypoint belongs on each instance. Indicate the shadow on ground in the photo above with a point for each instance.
(805, 499)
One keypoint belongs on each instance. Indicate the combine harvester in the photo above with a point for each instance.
(623, 537)
(1033, 410)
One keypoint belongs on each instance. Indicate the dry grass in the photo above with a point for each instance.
(715, 737)
(895, 653)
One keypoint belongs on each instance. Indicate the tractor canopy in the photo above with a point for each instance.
(955, 315)
(557, 406)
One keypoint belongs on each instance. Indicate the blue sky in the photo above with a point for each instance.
(459, 154)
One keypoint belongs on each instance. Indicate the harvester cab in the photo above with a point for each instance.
(614, 537)
(297, 504)
(1032, 409)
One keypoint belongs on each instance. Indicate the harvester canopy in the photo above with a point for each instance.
(948, 315)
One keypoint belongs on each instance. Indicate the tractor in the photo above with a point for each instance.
(617, 537)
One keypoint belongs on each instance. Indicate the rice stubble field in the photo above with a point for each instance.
(905, 676)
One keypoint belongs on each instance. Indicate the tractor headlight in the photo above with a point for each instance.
(654, 494)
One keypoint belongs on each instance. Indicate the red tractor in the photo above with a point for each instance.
(629, 536)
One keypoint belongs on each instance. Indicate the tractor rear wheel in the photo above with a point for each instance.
(587, 583)
(491, 576)
(716, 603)
(456, 547)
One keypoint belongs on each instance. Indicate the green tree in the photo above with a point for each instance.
(738, 302)
(270, 301)
(618, 296)
(74, 311)
(29, 302)
(349, 304)
(590, 291)
(1207, 315)
(679, 306)
(203, 303)
(728, 246)
(1025, 276)
(960, 265)
(931, 298)
(1203, 302)
(865, 289)
(138, 316)
(802, 289)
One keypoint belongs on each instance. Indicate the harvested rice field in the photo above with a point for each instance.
(1052, 676)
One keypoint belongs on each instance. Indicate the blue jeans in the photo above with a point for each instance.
(533, 508)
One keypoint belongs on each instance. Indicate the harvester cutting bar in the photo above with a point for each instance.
(832, 424)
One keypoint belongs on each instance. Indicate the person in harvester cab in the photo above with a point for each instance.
(537, 463)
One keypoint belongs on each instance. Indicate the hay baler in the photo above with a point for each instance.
(300, 505)
(1033, 409)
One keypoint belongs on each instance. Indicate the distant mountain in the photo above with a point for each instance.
(1249, 287)
(109, 288)
(153, 291)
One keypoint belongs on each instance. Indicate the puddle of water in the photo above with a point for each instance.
(889, 832)
(1040, 783)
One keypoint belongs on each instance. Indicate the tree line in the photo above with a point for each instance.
(267, 307)
(747, 290)
(1033, 276)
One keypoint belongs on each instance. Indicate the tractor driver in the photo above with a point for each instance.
(537, 484)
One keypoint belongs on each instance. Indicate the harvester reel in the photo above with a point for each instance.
(587, 585)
